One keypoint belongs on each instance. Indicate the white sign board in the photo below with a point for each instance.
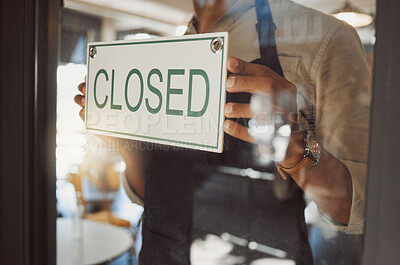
(164, 90)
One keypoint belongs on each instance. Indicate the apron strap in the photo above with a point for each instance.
(266, 35)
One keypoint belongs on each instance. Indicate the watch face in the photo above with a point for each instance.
(314, 146)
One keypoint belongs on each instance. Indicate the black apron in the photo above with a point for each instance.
(187, 195)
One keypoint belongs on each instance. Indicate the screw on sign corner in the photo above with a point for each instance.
(92, 52)
(216, 44)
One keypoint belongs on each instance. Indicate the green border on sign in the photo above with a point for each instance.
(150, 137)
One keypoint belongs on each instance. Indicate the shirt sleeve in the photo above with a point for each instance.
(343, 96)
(131, 193)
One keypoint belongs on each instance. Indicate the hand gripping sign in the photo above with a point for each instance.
(164, 90)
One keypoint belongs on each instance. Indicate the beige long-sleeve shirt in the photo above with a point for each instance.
(325, 59)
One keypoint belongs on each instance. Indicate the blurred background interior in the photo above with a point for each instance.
(89, 173)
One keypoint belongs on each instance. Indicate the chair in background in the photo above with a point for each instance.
(112, 179)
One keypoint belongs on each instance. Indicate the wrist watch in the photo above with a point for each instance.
(311, 157)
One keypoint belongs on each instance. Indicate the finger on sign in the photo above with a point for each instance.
(238, 66)
(82, 87)
(238, 110)
(236, 130)
(82, 114)
(251, 84)
(80, 100)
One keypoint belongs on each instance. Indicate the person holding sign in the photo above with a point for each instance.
(311, 67)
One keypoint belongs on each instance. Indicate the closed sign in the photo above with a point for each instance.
(165, 90)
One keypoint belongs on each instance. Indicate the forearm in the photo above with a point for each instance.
(328, 183)
(133, 161)
(133, 171)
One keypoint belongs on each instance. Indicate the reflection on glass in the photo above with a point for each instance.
(289, 187)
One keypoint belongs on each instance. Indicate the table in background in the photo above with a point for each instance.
(99, 242)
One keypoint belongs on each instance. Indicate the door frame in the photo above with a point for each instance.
(29, 47)
(382, 234)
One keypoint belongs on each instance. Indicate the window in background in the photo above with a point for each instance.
(89, 172)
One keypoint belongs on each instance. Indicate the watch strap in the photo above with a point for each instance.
(305, 164)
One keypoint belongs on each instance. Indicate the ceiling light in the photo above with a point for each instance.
(353, 16)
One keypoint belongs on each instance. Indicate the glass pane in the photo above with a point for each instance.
(289, 187)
